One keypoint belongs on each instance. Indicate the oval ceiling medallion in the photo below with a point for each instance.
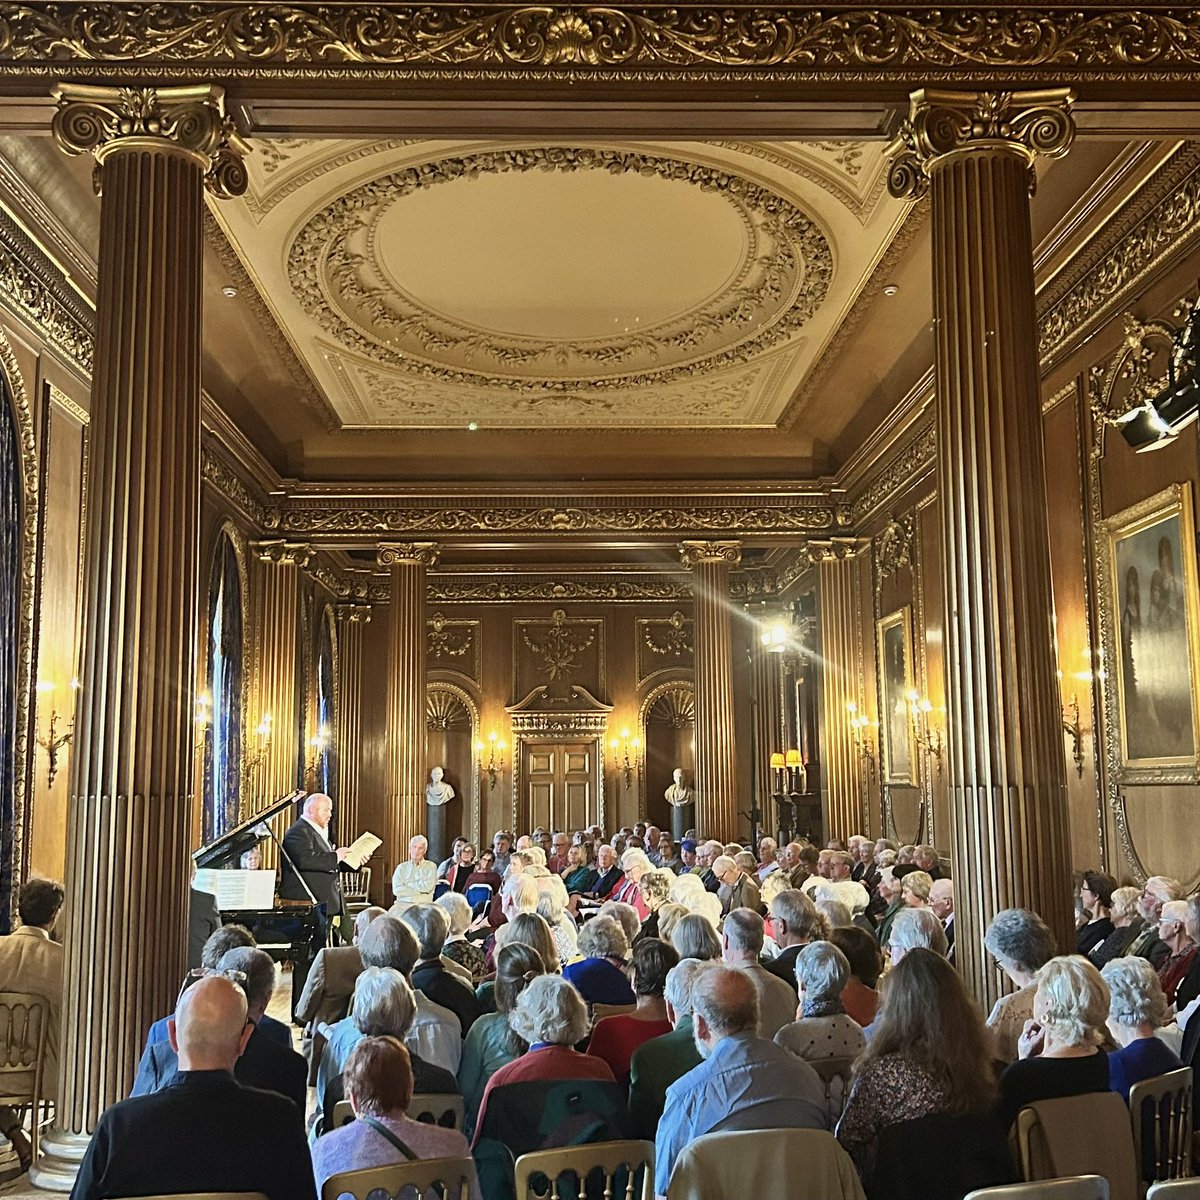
(558, 268)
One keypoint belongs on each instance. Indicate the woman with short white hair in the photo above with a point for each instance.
(635, 863)
(552, 907)
(655, 887)
(457, 948)
(821, 1028)
(1127, 924)
(551, 1017)
(1137, 1008)
(1059, 1049)
(600, 974)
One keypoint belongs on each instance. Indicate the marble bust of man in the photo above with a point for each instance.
(678, 793)
(437, 792)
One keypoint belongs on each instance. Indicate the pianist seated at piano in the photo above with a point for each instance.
(263, 1063)
(308, 849)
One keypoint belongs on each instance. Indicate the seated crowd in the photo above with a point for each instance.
(677, 990)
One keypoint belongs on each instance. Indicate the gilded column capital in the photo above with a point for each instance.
(187, 120)
(944, 123)
(836, 549)
(392, 554)
(353, 614)
(282, 553)
(692, 553)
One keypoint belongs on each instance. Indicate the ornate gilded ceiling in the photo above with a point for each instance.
(445, 284)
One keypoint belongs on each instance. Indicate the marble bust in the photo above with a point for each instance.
(678, 793)
(437, 792)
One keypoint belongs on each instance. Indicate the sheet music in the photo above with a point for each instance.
(238, 889)
(361, 849)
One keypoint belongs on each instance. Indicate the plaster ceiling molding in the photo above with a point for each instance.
(405, 269)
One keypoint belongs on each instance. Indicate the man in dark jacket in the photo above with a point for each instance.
(204, 1132)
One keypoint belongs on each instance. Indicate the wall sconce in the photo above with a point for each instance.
(776, 638)
(860, 733)
(320, 744)
(621, 760)
(1072, 728)
(928, 739)
(495, 765)
(54, 741)
(253, 759)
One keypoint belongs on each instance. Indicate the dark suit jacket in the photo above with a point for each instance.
(204, 1132)
(316, 863)
(203, 920)
(447, 989)
(264, 1064)
(783, 966)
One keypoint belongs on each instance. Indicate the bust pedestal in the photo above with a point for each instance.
(435, 828)
(683, 818)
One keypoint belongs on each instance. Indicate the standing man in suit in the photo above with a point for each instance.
(308, 846)
(204, 919)
(204, 1132)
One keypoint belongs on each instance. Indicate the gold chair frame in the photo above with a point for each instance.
(580, 1161)
(455, 1177)
(23, 1014)
(1074, 1187)
(1172, 1091)
(424, 1106)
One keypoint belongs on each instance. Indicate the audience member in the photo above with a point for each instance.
(501, 852)
(551, 1018)
(1095, 898)
(262, 1063)
(531, 929)
(927, 859)
(859, 997)
(491, 1043)
(1127, 924)
(696, 937)
(793, 922)
(457, 948)
(741, 944)
(915, 887)
(625, 915)
(1158, 890)
(485, 873)
(204, 919)
(552, 908)
(916, 928)
(379, 1084)
(615, 1038)
(1021, 943)
(608, 874)
(414, 879)
(431, 926)
(838, 885)
(206, 1132)
(930, 1054)
(461, 869)
(455, 853)
(559, 853)
(1059, 1049)
(599, 976)
(744, 1082)
(668, 858)
(635, 864)
(668, 917)
(822, 1029)
(1181, 950)
(737, 889)
(330, 982)
(1137, 1009)
(1189, 985)
(577, 876)
(655, 887)
(889, 889)
(941, 904)
(32, 962)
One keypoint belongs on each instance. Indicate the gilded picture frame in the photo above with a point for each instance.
(1151, 634)
(894, 659)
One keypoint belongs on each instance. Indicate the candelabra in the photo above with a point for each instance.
(253, 759)
(53, 741)
(1074, 730)
(495, 763)
(790, 782)
(926, 737)
(621, 760)
(860, 732)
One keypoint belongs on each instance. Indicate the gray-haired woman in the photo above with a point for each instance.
(821, 1028)
(1137, 1008)
(1021, 943)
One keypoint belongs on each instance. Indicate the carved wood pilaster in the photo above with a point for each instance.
(351, 621)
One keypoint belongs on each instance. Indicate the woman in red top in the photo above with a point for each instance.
(635, 864)
(616, 1038)
(859, 997)
(551, 1016)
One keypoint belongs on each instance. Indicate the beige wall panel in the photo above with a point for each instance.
(1162, 826)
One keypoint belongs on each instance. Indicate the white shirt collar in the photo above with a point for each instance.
(320, 832)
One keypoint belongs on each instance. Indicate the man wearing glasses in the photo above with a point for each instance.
(1158, 891)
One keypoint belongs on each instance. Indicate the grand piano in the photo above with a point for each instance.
(289, 931)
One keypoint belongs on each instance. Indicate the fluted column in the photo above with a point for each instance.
(130, 817)
(841, 641)
(407, 563)
(716, 741)
(352, 619)
(765, 671)
(974, 153)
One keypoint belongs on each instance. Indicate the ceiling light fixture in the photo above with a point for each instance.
(229, 291)
(472, 426)
(890, 289)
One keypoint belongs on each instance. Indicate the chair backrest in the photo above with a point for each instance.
(24, 1020)
(1175, 1189)
(614, 1170)
(1078, 1135)
(479, 894)
(1161, 1112)
(356, 886)
(434, 1108)
(453, 1178)
(600, 1011)
(440, 889)
(762, 1164)
(835, 1074)
(1078, 1187)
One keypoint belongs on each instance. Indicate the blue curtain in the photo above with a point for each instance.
(223, 748)
(12, 507)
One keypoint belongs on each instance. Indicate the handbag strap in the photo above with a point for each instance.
(384, 1132)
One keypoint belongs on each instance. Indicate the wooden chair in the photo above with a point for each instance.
(1161, 1112)
(600, 1011)
(356, 891)
(1175, 1189)
(1078, 1187)
(1079, 1135)
(449, 1178)
(434, 1108)
(835, 1074)
(627, 1169)
(24, 1030)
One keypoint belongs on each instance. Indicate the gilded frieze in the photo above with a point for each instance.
(453, 644)
(662, 643)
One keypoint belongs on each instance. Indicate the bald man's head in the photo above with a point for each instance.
(724, 1003)
(209, 1030)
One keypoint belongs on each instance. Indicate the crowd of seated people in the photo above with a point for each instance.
(679, 989)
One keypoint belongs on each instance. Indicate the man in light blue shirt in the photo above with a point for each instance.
(744, 1082)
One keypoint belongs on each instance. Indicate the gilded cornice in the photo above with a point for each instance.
(482, 589)
(388, 42)
(899, 471)
(226, 481)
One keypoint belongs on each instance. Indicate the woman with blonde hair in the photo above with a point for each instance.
(1059, 1050)
(1127, 924)
(532, 929)
(915, 887)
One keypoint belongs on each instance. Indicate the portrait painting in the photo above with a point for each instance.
(1152, 585)
(894, 646)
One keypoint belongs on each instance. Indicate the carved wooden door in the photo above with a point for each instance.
(560, 784)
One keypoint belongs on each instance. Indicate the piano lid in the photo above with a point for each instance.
(227, 850)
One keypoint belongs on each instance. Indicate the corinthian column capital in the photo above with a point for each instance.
(692, 553)
(190, 121)
(941, 124)
(390, 554)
